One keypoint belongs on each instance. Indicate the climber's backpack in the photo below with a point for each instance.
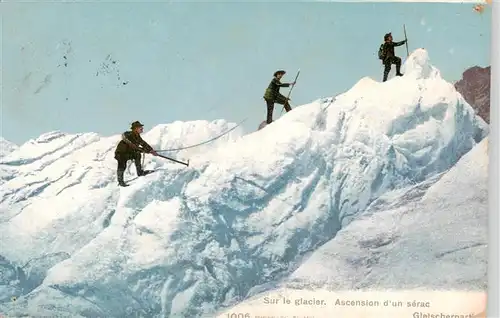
(381, 52)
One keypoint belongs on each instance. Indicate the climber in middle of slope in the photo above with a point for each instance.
(272, 94)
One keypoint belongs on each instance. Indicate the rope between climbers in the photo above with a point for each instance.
(205, 142)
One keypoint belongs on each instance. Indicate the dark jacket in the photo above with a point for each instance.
(130, 143)
(389, 48)
(273, 90)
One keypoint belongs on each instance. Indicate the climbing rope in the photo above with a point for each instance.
(129, 164)
(182, 148)
(205, 142)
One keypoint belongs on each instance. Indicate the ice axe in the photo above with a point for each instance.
(174, 160)
(407, 52)
(291, 89)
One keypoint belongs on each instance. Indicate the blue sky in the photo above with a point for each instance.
(189, 61)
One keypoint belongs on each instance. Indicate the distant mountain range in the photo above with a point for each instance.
(475, 88)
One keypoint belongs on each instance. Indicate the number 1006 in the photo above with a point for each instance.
(240, 315)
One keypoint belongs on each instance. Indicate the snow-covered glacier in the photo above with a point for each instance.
(186, 241)
(409, 237)
(424, 238)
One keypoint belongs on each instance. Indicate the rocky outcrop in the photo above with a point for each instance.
(475, 88)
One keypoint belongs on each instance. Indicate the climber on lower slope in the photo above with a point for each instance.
(388, 57)
(130, 148)
(272, 95)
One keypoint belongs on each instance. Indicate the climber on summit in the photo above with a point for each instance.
(388, 57)
(130, 148)
(272, 95)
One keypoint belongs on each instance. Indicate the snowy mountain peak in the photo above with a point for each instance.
(185, 241)
(418, 66)
(6, 147)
